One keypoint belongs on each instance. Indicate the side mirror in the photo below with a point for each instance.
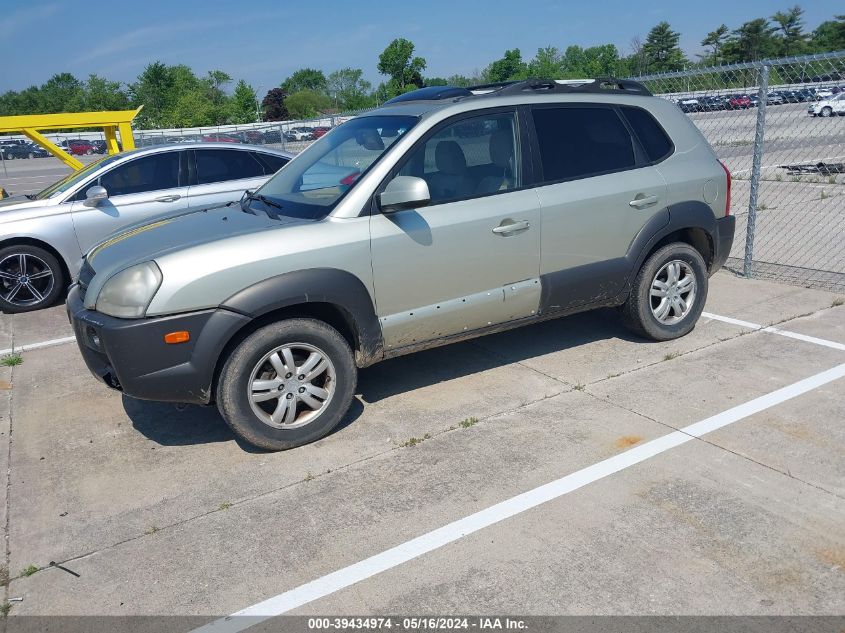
(94, 195)
(404, 192)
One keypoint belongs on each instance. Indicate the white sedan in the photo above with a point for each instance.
(828, 107)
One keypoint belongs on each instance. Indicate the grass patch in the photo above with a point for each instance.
(671, 355)
(29, 570)
(5, 608)
(308, 476)
(579, 386)
(837, 302)
(151, 530)
(415, 440)
(469, 422)
(11, 360)
(224, 506)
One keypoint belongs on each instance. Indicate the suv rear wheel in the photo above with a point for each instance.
(287, 384)
(668, 294)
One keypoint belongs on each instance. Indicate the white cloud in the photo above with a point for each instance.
(16, 20)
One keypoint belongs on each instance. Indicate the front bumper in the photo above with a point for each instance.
(130, 355)
(723, 241)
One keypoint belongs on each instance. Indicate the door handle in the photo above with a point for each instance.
(171, 198)
(645, 201)
(508, 227)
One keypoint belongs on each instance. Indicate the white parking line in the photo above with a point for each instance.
(452, 532)
(41, 345)
(775, 330)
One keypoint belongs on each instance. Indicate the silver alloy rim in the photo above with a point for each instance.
(673, 292)
(291, 385)
(25, 279)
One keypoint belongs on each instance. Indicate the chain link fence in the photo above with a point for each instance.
(779, 126)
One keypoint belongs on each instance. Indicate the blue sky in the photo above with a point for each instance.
(263, 41)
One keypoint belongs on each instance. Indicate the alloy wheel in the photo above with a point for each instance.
(673, 292)
(291, 385)
(25, 279)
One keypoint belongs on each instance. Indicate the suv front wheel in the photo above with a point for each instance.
(668, 293)
(287, 384)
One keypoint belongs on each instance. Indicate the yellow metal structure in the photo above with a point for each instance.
(112, 122)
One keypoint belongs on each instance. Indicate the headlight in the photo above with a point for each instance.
(128, 293)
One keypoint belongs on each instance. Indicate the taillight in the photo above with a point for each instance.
(727, 189)
(351, 178)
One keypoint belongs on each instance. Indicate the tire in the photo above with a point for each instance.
(641, 311)
(31, 155)
(826, 111)
(252, 360)
(44, 276)
(88, 152)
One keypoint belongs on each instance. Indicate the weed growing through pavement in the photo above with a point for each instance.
(671, 355)
(469, 422)
(13, 359)
(225, 505)
(29, 570)
(579, 387)
(415, 440)
(5, 608)
(151, 530)
(837, 302)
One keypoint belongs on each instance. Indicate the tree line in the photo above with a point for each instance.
(174, 96)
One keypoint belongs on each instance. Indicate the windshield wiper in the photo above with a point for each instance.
(262, 198)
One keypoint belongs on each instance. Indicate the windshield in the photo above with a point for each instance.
(74, 177)
(311, 186)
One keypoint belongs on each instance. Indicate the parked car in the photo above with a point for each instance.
(711, 103)
(21, 150)
(44, 236)
(281, 303)
(775, 98)
(77, 147)
(100, 147)
(828, 107)
(254, 137)
(272, 136)
(689, 105)
(301, 133)
(739, 102)
(320, 130)
(219, 137)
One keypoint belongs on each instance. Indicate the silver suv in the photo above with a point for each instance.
(447, 214)
(43, 236)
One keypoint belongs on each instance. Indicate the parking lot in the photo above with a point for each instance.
(564, 468)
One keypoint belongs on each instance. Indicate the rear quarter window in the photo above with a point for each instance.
(652, 137)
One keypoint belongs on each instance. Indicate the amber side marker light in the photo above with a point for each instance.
(177, 337)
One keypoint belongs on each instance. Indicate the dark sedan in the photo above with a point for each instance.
(29, 150)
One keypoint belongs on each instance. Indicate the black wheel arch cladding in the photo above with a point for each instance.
(331, 286)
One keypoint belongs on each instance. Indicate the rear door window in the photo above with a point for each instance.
(219, 165)
(654, 140)
(577, 142)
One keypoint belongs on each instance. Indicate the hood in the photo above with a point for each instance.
(145, 242)
(19, 201)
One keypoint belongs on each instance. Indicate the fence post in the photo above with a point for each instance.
(755, 170)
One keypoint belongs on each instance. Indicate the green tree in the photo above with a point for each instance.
(103, 94)
(790, 28)
(273, 105)
(715, 40)
(829, 35)
(305, 79)
(154, 90)
(243, 104)
(349, 90)
(752, 41)
(62, 93)
(661, 49)
(398, 62)
(192, 108)
(547, 64)
(506, 68)
(306, 104)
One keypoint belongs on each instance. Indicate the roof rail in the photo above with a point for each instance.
(597, 85)
(431, 93)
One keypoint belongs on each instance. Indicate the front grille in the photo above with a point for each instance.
(86, 274)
